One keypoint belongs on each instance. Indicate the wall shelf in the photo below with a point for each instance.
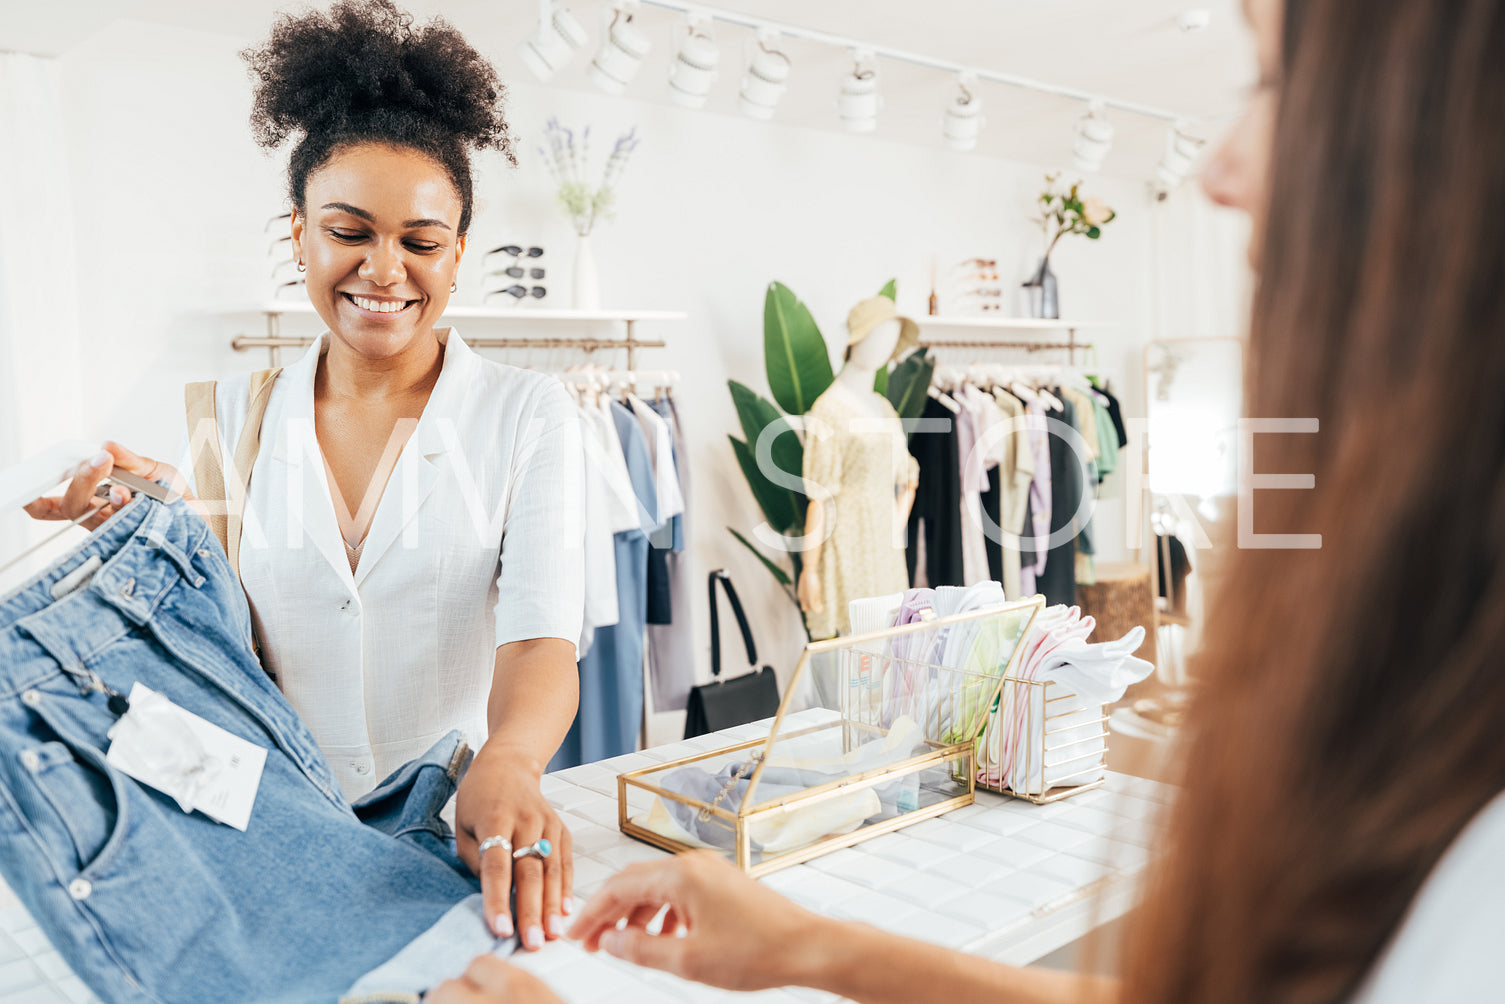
(274, 341)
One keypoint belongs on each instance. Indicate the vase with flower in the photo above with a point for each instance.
(1062, 211)
(566, 161)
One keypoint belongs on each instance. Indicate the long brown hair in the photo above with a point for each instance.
(1352, 719)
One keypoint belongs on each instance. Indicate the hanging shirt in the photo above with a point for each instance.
(611, 674)
(1039, 501)
(1006, 501)
(600, 545)
(477, 541)
(671, 646)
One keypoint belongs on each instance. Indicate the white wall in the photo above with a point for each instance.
(170, 196)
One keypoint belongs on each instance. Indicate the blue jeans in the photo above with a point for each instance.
(145, 902)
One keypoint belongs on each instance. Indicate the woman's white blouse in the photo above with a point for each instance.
(476, 542)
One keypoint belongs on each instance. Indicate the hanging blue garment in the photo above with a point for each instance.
(611, 674)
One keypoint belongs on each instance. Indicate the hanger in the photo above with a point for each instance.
(34, 477)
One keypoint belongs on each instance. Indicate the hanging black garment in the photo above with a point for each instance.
(937, 503)
(1068, 480)
(1116, 413)
(991, 543)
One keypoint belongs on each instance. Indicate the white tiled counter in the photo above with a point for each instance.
(1002, 878)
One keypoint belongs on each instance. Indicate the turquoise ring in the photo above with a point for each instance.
(540, 848)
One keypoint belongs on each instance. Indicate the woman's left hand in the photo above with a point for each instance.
(489, 980)
(500, 796)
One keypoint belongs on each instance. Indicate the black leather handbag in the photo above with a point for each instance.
(722, 704)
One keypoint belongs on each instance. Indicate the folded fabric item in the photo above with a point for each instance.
(1082, 677)
(802, 763)
(148, 903)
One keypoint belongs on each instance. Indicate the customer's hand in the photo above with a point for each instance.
(736, 934)
(78, 498)
(500, 796)
(489, 980)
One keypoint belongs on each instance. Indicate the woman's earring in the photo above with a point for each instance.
(301, 268)
(453, 286)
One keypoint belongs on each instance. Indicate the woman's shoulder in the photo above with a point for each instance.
(1447, 948)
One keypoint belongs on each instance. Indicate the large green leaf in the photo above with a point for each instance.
(778, 573)
(781, 507)
(908, 384)
(880, 381)
(799, 368)
(890, 289)
(757, 413)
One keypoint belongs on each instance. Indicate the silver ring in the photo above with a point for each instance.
(491, 842)
(540, 849)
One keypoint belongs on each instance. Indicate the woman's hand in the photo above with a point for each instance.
(489, 980)
(79, 498)
(738, 935)
(499, 797)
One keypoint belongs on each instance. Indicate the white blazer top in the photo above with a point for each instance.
(477, 541)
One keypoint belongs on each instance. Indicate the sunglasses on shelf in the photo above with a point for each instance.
(518, 272)
(978, 263)
(516, 251)
(286, 285)
(279, 218)
(519, 292)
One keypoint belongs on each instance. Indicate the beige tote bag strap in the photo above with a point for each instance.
(246, 449)
(208, 462)
(226, 496)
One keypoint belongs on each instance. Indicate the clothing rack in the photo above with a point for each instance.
(274, 341)
(275, 344)
(1070, 346)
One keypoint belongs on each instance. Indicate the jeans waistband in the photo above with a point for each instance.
(124, 591)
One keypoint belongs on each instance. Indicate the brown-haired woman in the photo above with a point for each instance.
(1340, 836)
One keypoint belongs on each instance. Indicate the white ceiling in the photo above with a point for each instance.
(1127, 49)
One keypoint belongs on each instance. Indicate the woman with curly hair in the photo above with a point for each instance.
(411, 547)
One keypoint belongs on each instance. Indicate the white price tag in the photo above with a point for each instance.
(197, 763)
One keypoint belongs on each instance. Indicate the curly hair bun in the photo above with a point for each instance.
(362, 72)
(364, 63)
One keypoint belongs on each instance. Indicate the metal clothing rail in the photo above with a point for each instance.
(275, 344)
(1070, 346)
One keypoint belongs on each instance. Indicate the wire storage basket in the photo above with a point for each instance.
(885, 735)
(1042, 743)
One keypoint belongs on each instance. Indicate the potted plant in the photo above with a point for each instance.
(798, 368)
(1062, 212)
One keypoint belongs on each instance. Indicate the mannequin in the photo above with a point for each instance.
(854, 554)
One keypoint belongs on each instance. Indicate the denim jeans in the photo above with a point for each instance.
(145, 902)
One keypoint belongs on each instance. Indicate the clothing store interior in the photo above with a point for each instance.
(663, 501)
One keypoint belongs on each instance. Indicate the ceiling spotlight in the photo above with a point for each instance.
(858, 102)
(553, 41)
(1180, 156)
(963, 122)
(1094, 138)
(766, 80)
(621, 53)
(694, 68)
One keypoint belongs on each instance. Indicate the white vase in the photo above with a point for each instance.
(587, 288)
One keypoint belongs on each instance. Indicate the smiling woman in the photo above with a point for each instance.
(412, 547)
